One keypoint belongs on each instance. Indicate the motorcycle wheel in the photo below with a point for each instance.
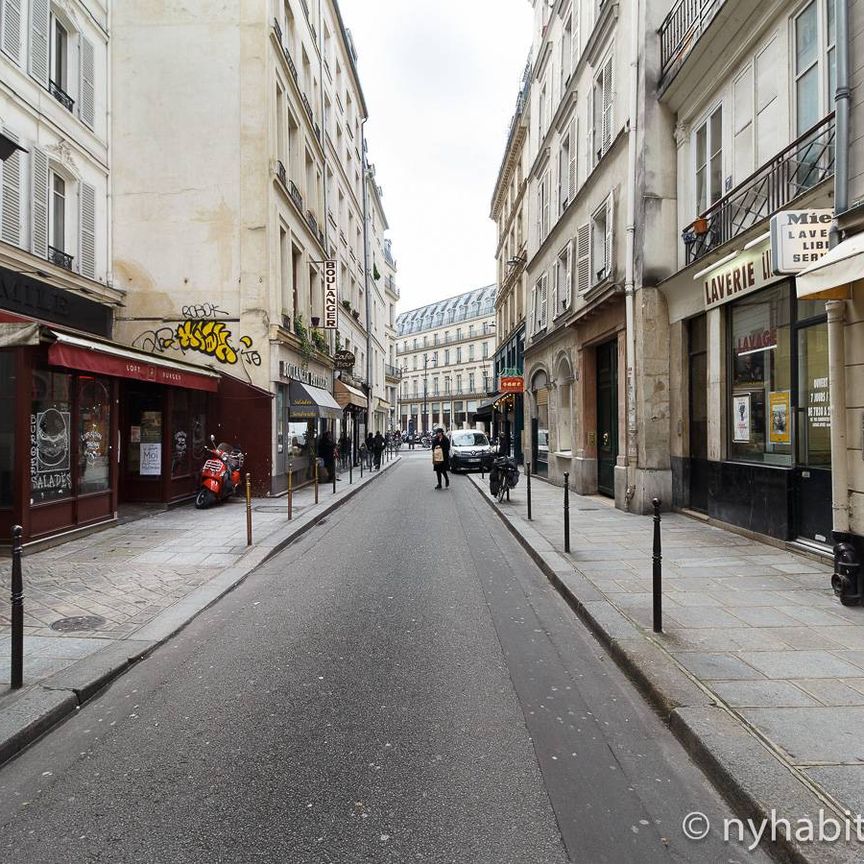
(204, 499)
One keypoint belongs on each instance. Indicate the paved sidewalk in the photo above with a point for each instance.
(138, 582)
(759, 668)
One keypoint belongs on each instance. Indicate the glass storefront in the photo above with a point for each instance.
(94, 434)
(50, 436)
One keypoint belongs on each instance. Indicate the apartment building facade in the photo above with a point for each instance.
(445, 351)
(228, 236)
(600, 196)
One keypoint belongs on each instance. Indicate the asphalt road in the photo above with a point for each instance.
(402, 684)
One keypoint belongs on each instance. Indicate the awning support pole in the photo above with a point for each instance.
(836, 310)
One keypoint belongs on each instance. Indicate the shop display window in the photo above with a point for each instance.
(94, 435)
(7, 426)
(188, 443)
(50, 437)
(760, 373)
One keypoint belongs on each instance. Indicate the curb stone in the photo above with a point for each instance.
(756, 781)
(35, 711)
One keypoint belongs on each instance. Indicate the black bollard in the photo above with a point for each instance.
(335, 474)
(658, 571)
(17, 598)
(350, 469)
(566, 512)
(362, 460)
(528, 487)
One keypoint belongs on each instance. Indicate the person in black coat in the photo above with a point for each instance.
(439, 440)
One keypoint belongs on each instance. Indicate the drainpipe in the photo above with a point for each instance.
(841, 109)
(366, 277)
(630, 255)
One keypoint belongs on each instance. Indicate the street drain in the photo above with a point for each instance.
(78, 623)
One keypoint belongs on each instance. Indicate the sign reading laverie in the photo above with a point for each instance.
(331, 300)
(799, 238)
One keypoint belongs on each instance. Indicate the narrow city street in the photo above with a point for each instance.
(400, 684)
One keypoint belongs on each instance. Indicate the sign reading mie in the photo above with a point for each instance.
(331, 302)
(799, 238)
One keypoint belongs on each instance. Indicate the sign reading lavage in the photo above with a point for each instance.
(744, 274)
(799, 238)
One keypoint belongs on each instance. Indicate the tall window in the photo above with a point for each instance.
(58, 212)
(815, 63)
(561, 290)
(470, 382)
(471, 352)
(709, 161)
(59, 55)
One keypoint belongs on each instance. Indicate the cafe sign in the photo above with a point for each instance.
(331, 301)
(343, 360)
(743, 274)
(512, 384)
(799, 238)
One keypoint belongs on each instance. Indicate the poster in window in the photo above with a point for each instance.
(779, 403)
(151, 459)
(741, 418)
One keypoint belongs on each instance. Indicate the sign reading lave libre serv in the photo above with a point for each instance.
(799, 238)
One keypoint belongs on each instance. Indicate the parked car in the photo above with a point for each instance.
(470, 450)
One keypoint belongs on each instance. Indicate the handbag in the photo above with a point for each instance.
(438, 455)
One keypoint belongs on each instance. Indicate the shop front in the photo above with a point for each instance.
(751, 363)
(354, 405)
(311, 411)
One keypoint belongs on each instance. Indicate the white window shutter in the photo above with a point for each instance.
(583, 256)
(575, 46)
(86, 101)
(39, 202)
(11, 26)
(590, 130)
(544, 299)
(607, 105)
(40, 15)
(534, 321)
(87, 223)
(574, 149)
(610, 233)
(10, 207)
(568, 285)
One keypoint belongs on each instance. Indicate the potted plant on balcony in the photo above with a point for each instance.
(319, 341)
(300, 331)
(356, 314)
(315, 320)
(346, 305)
(700, 225)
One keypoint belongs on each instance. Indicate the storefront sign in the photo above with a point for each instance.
(294, 372)
(744, 274)
(760, 340)
(151, 460)
(331, 302)
(819, 407)
(343, 360)
(513, 384)
(741, 419)
(799, 238)
(779, 403)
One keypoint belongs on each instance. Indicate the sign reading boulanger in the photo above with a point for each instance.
(331, 299)
(799, 238)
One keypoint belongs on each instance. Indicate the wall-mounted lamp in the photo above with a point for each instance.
(519, 259)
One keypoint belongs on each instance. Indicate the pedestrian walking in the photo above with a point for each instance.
(378, 449)
(327, 452)
(344, 450)
(441, 456)
(370, 450)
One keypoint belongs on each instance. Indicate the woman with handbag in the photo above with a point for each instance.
(441, 456)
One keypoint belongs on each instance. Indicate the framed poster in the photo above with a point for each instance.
(151, 459)
(779, 409)
(741, 418)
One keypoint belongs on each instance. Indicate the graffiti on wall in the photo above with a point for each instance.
(199, 331)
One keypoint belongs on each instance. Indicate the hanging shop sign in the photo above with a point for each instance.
(512, 384)
(799, 238)
(343, 360)
(293, 372)
(331, 300)
(744, 274)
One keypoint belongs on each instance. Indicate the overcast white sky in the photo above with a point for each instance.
(440, 79)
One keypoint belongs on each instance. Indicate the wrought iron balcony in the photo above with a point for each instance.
(296, 197)
(308, 107)
(278, 30)
(392, 372)
(280, 173)
(61, 96)
(312, 222)
(682, 28)
(60, 258)
(797, 169)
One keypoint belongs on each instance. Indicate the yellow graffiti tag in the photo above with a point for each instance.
(207, 337)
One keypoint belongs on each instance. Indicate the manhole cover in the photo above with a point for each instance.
(78, 623)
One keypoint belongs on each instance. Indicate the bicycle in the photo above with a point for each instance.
(503, 477)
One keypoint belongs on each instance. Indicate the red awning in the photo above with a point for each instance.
(75, 353)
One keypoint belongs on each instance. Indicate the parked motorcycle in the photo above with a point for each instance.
(220, 475)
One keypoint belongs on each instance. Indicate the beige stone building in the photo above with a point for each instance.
(226, 209)
(445, 351)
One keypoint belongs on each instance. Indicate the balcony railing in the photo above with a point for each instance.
(61, 96)
(296, 197)
(60, 258)
(312, 222)
(308, 107)
(392, 371)
(280, 173)
(805, 163)
(682, 28)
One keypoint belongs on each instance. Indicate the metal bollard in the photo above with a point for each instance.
(316, 479)
(290, 492)
(350, 469)
(566, 512)
(335, 474)
(17, 598)
(248, 509)
(658, 570)
(362, 460)
(528, 487)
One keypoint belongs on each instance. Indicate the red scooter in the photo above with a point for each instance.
(220, 476)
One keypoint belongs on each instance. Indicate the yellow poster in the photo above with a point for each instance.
(780, 417)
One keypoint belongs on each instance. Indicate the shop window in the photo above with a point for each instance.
(50, 437)
(760, 372)
(188, 421)
(7, 426)
(94, 435)
(709, 161)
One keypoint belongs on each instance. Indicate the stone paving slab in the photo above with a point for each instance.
(755, 627)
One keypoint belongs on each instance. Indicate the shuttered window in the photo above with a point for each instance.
(10, 23)
(602, 117)
(40, 15)
(602, 224)
(87, 245)
(39, 202)
(10, 204)
(583, 257)
(86, 94)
